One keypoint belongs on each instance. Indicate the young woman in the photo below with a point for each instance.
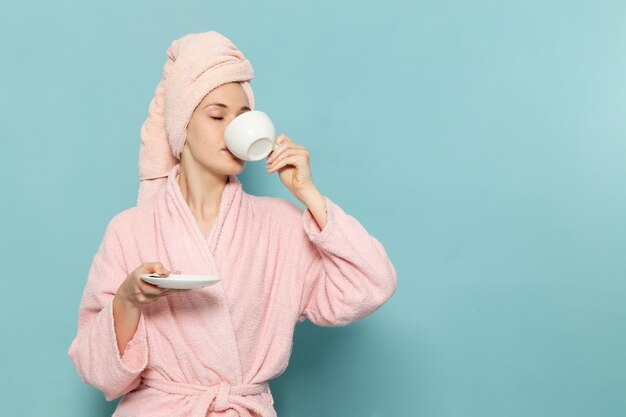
(211, 351)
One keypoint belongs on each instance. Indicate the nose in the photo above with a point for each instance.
(228, 120)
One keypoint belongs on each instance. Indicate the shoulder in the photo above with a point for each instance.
(125, 232)
(122, 218)
(127, 220)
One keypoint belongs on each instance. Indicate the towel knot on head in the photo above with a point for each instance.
(197, 64)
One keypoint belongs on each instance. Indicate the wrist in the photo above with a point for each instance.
(308, 194)
(121, 302)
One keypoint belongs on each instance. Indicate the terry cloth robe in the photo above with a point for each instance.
(211, 351)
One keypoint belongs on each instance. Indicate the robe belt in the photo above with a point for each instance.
(218, 397)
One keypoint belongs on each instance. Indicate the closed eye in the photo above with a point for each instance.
(217, 118)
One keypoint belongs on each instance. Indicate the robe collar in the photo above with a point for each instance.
(181, 233)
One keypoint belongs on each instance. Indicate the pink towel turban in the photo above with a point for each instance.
(197, 64)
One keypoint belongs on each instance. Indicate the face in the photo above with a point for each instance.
(205, 132)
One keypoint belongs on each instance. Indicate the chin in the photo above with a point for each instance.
(239, 170)
(235, 167)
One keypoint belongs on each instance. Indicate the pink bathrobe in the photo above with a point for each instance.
(211, 351)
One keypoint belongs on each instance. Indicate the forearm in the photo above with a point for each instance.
(126, 318)
(316, 204)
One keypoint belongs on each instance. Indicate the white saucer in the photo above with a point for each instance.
(180, 281)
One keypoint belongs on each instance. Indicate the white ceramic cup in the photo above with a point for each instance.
(250, 136)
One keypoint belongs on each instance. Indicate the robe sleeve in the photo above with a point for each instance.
(94, 350)
(348, 274)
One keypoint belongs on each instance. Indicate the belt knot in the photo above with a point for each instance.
(218, 397)
(215, 398)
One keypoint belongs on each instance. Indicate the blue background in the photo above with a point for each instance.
(483, 143)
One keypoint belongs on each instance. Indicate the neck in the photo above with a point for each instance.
(202, 190)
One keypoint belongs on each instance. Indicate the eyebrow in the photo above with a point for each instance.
(225, 106)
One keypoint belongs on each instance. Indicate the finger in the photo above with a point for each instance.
(282, 142)
(301, 156)
(165, 291)
(282, 138)
(154, 267)
(150, 289)
(288, 152)
(285, 148)
(283, 154)
(160, 269)
(280, 148)
(295, 160)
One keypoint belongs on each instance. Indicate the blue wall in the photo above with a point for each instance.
(483, 143)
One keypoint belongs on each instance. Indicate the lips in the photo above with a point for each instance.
(231, 154)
